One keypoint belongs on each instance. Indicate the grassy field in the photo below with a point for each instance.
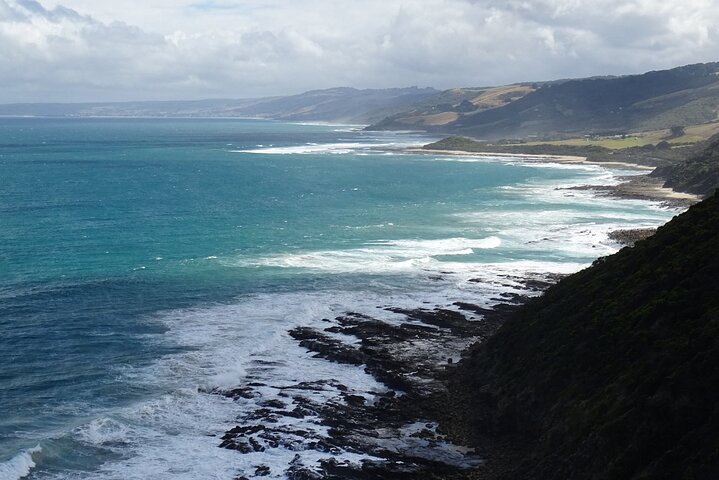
(693, 134)
(611, 143)
(496, 97)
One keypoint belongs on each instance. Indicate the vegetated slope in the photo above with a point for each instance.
(699, 174)
(681, 96)
(449, 106)
(338, 104)
(620, 104)
(614, 372)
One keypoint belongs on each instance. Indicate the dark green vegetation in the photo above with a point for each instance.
(699, 174)
(614, 372)
(686, 95)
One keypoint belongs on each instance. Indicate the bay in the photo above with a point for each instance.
(144, 262)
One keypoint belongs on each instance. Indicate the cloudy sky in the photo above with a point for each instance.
(94, 50)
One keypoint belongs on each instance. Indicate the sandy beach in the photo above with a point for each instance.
(639, 187)
(571, 159)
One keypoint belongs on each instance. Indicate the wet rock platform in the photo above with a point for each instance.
(397, 432)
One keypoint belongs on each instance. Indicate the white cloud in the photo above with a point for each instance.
(71, 50)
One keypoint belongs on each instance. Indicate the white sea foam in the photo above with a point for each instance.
(336, 148)
(445, 246)
(561, 234)
(375, 257)
(168, 438)
(534, 162)
(352, 126)
(328, 148)
(104, 431)
(176, 435)
(20, 465)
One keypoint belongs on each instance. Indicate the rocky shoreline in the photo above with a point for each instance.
(629, 237)
(412, 429)
(417, 425)
(644, 187)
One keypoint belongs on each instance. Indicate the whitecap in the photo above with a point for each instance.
(383, 256)
(104, 431)
(310, 148)
(20, 465)
(339, 148)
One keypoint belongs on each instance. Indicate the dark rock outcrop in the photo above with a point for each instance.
(396, 430)
(631, 236)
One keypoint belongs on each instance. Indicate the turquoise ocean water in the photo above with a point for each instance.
(146, 261)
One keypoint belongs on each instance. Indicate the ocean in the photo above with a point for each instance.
(146, 263)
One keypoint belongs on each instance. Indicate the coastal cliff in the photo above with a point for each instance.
(698, 174)
(613, 373)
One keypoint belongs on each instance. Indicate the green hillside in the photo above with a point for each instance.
(614, 372)
(445, 108)
(699, 174)
(681, 96)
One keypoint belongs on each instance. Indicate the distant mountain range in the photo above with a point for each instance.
(681, 96)
(345, 105)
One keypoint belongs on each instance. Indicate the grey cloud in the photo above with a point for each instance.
(58, 13)
(8, 13)
(279, 47)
